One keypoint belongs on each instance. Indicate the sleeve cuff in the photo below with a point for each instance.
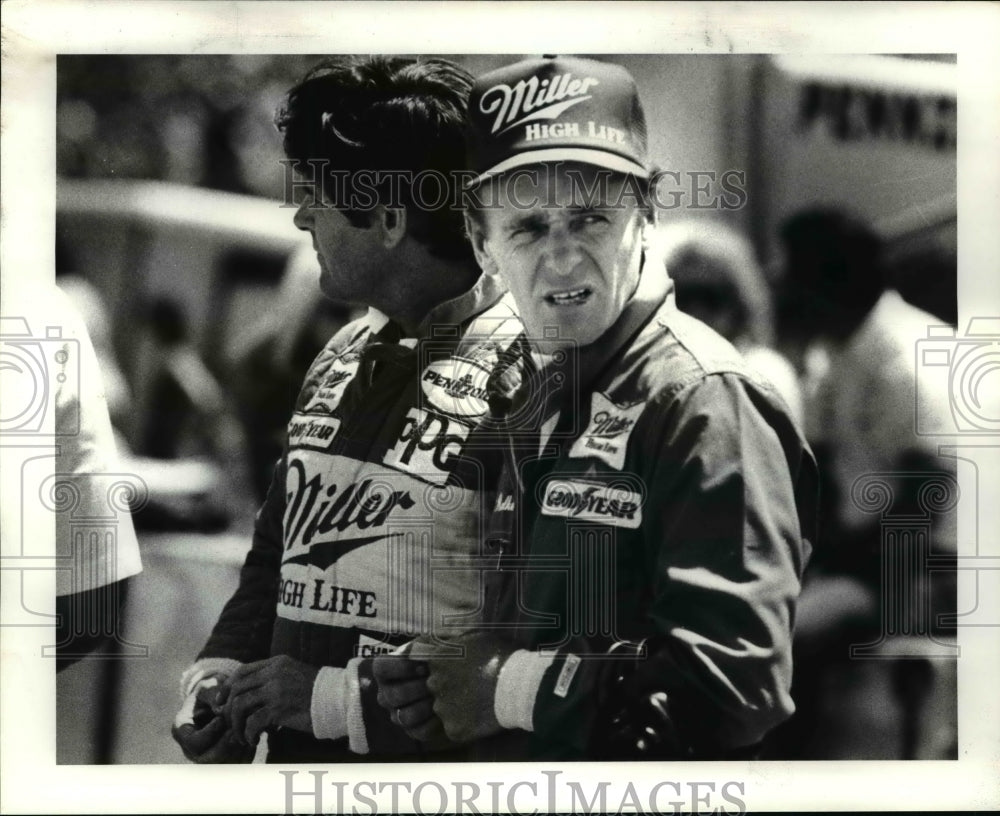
(356, 735)
(205, 668)
(330, 699)
(517, 686)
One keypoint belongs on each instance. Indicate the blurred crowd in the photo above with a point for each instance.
(205, 430)
(839, 341)
(829, 329)
(191, 119)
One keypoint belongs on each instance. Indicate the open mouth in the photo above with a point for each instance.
(571, 297)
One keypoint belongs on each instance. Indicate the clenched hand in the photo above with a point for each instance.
(202, 731)
(464, 686)
(403, 692)
(272, 692)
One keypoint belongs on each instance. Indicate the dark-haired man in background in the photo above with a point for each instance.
(375, 504)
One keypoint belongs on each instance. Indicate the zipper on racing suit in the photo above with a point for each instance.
(501, 537)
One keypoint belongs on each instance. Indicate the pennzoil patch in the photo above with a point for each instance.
(457, 387)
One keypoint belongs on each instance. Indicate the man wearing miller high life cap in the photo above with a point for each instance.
(657, 503)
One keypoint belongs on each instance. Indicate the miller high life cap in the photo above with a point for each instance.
(556, 109)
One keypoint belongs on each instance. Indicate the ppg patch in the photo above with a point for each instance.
(428, 446)
(608, 431)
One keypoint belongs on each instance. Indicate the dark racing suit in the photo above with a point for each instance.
(364, 539)
(655, 490)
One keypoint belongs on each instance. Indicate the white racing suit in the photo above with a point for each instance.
(363, 541)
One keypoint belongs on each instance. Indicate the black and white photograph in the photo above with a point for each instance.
(531, 407)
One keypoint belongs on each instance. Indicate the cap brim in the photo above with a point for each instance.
(599, 158)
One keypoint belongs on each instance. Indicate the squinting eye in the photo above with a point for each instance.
(527, 233)
(590, 220)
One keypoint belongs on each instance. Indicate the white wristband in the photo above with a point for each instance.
(186, 715)
(356, 735)
(517, 686)
(328, 707)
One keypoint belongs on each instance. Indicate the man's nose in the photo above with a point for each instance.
(561, 252)
(303, 218)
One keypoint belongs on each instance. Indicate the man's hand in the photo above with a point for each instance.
(464, 687)
(272, 692)
(203, 733)
(635, 722)
(640, 729)
(403, 692)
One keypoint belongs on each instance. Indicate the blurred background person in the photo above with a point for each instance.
(719, 281)
(856, 340)
(183, 413)
(90, 593)
(269, 363)
(168, 434)
(89, 304)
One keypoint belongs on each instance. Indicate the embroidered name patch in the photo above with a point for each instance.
(608, 431)
(566, 676)
(331, 389)
(369, 647)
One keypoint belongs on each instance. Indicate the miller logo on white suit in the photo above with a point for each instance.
(381, 551)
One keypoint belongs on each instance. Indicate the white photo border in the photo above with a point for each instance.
(34, 31)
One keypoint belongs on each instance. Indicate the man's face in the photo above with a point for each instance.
(346, 253)
(570, 263)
